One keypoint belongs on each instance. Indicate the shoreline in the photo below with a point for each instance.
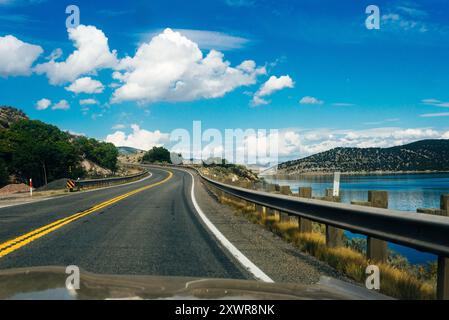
(353, 173)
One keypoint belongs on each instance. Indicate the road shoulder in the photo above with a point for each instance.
(280, 260)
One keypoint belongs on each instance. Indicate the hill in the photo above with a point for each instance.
(34, 149)
(425, 155)
(126, 151)
(10, 115)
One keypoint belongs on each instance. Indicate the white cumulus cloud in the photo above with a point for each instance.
(271, 85)
(89, 101)
(16, 56)
(172, 68)
(43, 104)
(86, 85)
(310, 100)
(92, 53)
(139, 138)
(61, 105)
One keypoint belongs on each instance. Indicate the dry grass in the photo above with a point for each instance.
(395, 282)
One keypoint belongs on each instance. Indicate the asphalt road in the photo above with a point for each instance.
(153, 232)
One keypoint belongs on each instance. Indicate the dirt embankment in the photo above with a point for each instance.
(14, 188)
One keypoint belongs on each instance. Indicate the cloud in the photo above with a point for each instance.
(92, 53)
(435, 103)
(89, 101)
(273, 84)
(118, 126)
(139, 138)
(43, 104)
(207, 39)
(19, 2)
(310, 100)
(55, 54)
(343, 104)
(214, 40)
(16, 56)
(86, 85)
(412, 11)
(445, 135)
(432, 115)
(409, 19)
(61, 105)
(172, 68)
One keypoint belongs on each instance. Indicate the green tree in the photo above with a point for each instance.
(3, 173)
(102, 153)
(157, 154)
(37, 150)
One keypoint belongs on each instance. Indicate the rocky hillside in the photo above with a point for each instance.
(128, 150)
(425, 155)
(10, 115)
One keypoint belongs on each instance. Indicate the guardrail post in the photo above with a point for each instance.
(444, 204)
(443, 278)
(284, 217)
(334, 236)
(377, 250)
(260, 210)
(305, 225)
(270, 187)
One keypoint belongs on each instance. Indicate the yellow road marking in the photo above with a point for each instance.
(16, 243)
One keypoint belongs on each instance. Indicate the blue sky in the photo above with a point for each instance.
(317, 73)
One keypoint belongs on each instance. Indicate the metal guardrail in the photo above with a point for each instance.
(93, 183)
(423, 232)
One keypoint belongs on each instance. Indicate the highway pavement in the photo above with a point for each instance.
(147, 228)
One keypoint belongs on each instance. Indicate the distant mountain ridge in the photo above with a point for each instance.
(128, 150)
(425, 155)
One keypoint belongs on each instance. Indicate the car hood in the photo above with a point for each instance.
(47, 283)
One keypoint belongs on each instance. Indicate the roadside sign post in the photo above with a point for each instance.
(70, 185)
(31, 187)
(336, 189)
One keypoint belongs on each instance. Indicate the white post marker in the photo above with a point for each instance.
(336, 190)
(31, 187)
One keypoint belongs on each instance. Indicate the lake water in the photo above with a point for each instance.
(406, 192)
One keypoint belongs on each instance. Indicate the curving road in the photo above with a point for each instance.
(149, 228)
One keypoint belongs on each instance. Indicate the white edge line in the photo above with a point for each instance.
(75, 193)
(236, 253)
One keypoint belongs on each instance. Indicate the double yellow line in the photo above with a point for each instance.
(16, 243)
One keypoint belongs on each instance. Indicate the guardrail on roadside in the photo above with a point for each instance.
(98, 183)
(419, 231)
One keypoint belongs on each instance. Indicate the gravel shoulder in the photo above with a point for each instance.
(279, 259)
